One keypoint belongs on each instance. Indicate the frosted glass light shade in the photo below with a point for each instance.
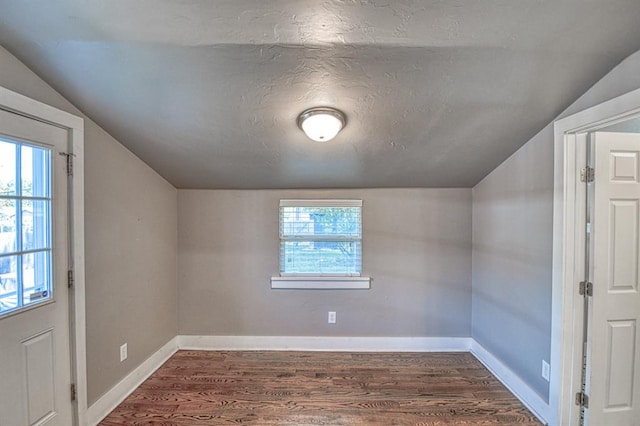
(321, 124)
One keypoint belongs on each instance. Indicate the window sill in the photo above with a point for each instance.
(320, 283)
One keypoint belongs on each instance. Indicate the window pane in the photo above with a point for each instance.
(7, 168)
(320, 221)
(25, 225)
(321, 257)
(35, 171)
(36, 276)
(35, 226)
(8, 282)
(8, 226)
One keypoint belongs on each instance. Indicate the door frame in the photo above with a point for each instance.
(568, 247)
(22, 105)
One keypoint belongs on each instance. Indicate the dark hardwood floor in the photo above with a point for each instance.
(321, 388)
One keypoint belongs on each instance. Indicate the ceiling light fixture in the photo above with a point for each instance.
(321, 124)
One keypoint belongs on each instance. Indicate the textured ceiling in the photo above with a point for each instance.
(437, 93)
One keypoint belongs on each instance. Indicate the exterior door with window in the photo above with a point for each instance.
(614, 346)
(34, 306)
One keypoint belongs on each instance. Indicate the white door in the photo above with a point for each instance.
(35, 363)
(614, 373)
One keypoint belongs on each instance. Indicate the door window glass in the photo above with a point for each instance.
(25, 225)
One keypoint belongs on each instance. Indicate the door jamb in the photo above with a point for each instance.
(568, 218)
(17, 103)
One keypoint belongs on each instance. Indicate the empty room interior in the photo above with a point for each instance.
(320, 212)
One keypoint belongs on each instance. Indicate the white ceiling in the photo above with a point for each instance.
(436, 93)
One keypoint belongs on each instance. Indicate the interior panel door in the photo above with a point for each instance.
(614, 367)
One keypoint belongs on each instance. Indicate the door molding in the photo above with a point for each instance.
(20, 104)
(568, 244)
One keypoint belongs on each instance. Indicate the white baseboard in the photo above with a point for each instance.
(311, 343)
(515, 384)
(110, 400)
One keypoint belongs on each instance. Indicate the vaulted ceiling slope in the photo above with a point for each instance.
(437, 93)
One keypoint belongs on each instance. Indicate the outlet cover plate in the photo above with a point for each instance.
(546, 370)
(123, 352)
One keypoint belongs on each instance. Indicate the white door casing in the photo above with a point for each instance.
(568, 248)
(27, 107)
(614, 343)
(35, 343)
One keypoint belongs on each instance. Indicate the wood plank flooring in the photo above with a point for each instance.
(320, 388)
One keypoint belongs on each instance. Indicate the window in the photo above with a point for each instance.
(322, 240)
(25, 225)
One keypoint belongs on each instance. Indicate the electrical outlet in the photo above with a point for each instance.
(331, 319)
(546, 370)
(123, 352)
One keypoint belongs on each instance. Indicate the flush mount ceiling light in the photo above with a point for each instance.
(321, 124)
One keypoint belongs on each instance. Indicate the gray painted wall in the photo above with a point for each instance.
(131, 243)
(512, 243)
(416, 247)
(512, 222)
(131, 261)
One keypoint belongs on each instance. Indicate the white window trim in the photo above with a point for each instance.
(298, 281)
(321, 203)
(320, 283)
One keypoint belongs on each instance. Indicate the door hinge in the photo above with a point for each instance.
(73, 392)
(69, 162)
(582, 399)
(70, 278)
(586, 288)
(587, 174)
